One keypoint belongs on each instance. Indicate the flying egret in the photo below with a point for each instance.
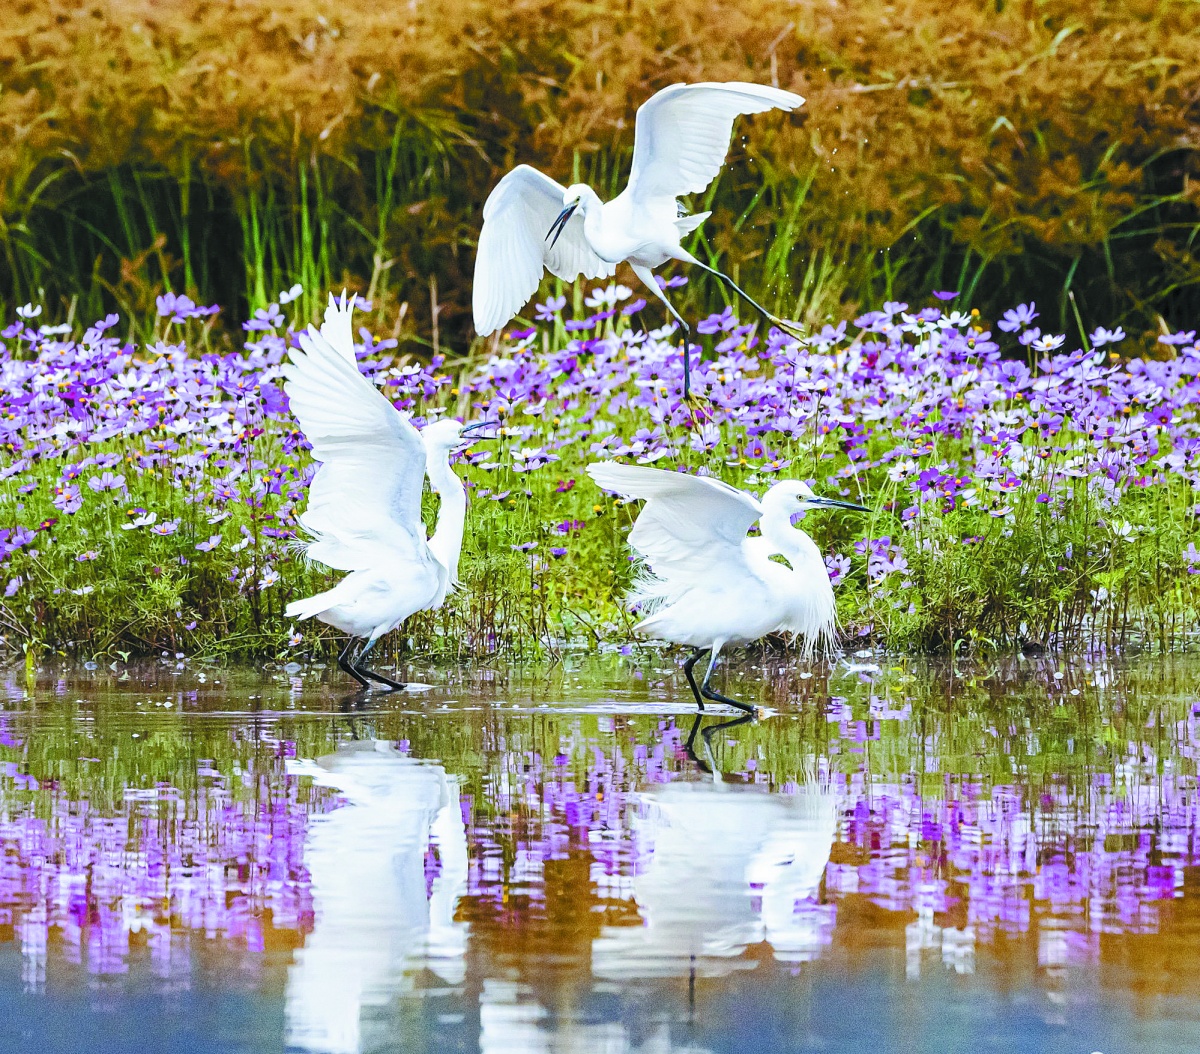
(708, 583)
(680, 141)
(364, 503)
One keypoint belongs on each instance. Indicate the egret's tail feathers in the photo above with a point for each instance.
(687, 224)
(308, 607)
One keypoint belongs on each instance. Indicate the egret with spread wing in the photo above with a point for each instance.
(708, 584)
(532, 223)
(364, 503)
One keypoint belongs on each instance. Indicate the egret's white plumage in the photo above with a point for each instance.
(513, 250)
(338, 325)
(707, 583)
(532, 223)
(364, 503)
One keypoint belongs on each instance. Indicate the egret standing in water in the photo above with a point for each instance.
(708, 583)
(530, 223)
(364, 503)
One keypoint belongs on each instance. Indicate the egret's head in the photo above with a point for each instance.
(795, 496)
(447, 435)
(572, 196)
(575, 193)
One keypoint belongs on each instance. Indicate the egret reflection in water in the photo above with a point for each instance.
(726, 866)
(379, 907)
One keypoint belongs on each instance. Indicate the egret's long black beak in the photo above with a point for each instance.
(467, 429)
(833, 503)
(560, 224)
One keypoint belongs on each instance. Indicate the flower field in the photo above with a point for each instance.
(1026, 490)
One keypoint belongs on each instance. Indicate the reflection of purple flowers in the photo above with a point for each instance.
(219, 868)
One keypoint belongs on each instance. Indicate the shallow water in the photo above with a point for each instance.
(900, 857)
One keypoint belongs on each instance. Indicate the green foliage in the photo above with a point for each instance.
(1012, 150)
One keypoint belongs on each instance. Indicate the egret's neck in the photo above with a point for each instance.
(592, 209)
(589, 202)
(776, 527)
(813, 609)
(446, 543)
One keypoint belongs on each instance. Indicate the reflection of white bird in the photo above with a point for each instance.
(709, 584)
(375, 917)
(364, 503)
(729, 866)
(680, 142)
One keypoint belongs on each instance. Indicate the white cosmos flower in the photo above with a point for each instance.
(607, 297)
(140, 521)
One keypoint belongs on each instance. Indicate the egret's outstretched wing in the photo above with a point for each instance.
(513, 250)
(338, 327)
(689, 526)
(364, 503)
(682, 134)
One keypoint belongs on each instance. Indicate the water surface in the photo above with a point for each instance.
(900, 857)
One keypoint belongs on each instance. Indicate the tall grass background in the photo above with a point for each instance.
(231, 149)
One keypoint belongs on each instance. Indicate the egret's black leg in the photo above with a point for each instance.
(687, 672)
(690, 745)
(733, 722)
(345, 663)
(363, 671)
(649, 281)
(687, 358)
(780, 322)
(717, 697)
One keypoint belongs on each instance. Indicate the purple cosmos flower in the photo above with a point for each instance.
(1017, 317)
(838, 567)
(548, 311)
(1101, 336)
(720, 323)
(67, 499)
(945, 294)
(106, 482)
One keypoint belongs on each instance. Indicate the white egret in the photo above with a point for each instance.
(680, 142)
(364, 503)
(708, 584)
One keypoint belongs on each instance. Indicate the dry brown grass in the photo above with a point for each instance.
(1027, 133)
